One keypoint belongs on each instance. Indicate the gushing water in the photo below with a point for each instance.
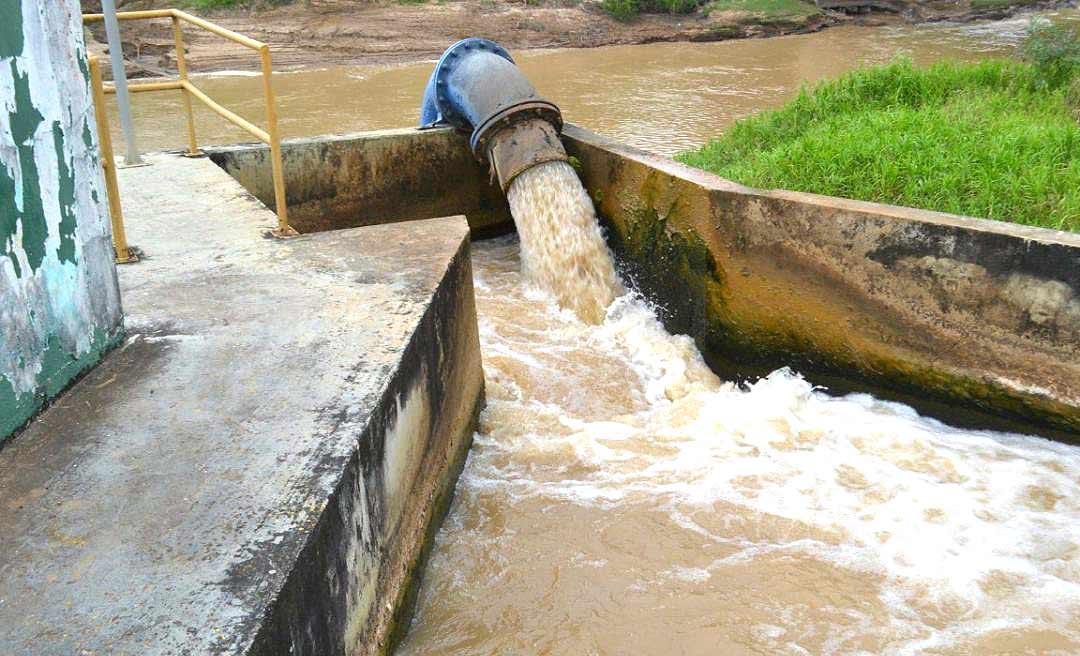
(562, 250)
(620, 499)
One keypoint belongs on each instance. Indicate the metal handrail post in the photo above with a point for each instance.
(181, 66)
(270, 136)
(123, 100)
(112, 191)
(283, 229)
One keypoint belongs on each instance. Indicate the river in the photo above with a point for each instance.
(662, 97)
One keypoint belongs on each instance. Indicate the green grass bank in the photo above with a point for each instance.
(997, 139)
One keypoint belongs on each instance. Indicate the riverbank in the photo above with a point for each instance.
(992, 140)
(340, 32)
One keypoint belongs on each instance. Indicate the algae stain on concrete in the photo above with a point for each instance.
(738, 271)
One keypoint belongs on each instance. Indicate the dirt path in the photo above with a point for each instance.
(322, 32)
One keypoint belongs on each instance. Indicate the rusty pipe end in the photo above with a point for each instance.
(522, 145)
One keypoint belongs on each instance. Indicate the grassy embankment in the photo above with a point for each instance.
(998, 139)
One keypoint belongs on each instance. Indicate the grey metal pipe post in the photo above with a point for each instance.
(116, 56)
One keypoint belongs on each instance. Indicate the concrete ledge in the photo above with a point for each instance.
(259, 468)
(370, 178)
(949, 313)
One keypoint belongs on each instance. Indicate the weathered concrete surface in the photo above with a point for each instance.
(59, 301)
(257, 468)
(945, 312)
(371, 178)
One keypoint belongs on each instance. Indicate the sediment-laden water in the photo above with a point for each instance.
(663, 97)
(620, 499)
(562, 249)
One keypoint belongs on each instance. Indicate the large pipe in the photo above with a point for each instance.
(476, 86)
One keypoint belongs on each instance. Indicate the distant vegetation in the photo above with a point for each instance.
(625, 10)
(214, 4)
(222, 4)
(997, 139)
(764, 9)
(630, 9)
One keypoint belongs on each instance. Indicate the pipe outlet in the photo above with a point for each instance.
(477, 87)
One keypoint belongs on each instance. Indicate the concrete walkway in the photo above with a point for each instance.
(200, 491)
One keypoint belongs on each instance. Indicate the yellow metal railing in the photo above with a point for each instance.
(120, 245)
(188, 90)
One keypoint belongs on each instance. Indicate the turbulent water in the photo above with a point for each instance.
(620, 499)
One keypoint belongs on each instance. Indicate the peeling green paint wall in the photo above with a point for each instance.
(59, 299)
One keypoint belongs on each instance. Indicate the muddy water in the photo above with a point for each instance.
(562, 249)
(663, 97)
(620, 499)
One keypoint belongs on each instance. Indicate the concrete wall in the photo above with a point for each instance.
(59, 302)
(374, 177)
(354, 585)
(945, 312)
(975, 321)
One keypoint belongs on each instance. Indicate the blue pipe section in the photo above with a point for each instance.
(476, 86)
(446, 104)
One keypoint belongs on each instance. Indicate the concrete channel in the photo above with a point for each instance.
(974, 321)
(260, 462)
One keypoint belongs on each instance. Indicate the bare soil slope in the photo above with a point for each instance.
(321, 32)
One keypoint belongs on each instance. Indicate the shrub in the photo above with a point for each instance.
(630, 9)
(669, 6)
(223, 4)
(1053, 50)
(216, 4)
(623, 10)
(766, 9)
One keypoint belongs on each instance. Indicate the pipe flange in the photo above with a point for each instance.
(521, 111)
